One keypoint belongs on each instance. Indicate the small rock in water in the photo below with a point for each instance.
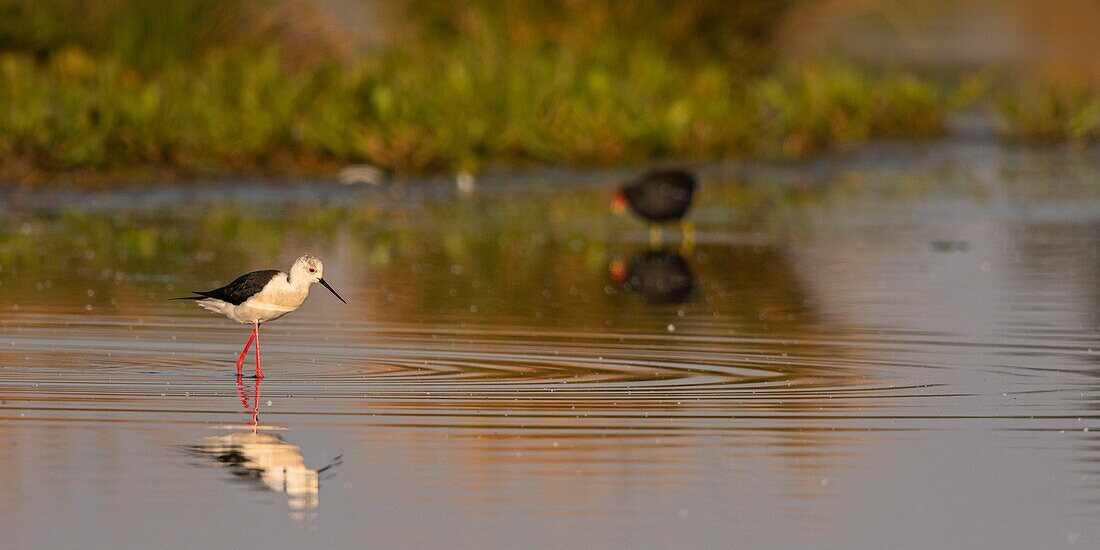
(671, 327)
(950, 246)
(464, 182)
(361, 173)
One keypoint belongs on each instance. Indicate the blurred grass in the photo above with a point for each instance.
(1066, 111)
(125, 90)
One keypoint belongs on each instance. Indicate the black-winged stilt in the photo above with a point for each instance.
(262, 296)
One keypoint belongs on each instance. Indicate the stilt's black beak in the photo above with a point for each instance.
(322, 281)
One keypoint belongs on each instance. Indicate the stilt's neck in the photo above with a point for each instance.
(298, 283)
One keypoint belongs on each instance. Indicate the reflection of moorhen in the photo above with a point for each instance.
(660, 276)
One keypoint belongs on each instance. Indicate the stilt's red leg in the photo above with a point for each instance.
(241, 393)
(240, 360)
(259, 371)
(256, 406)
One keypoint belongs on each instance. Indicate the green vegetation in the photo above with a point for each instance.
(1066, 112)
(464, 85)
(244, 113)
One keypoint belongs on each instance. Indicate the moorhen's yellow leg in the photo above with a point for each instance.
(688, 230)
(655, 236)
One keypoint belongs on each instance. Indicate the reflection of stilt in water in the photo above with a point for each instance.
(255, 421)
(266, 458)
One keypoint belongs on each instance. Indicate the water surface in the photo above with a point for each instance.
(898, 350)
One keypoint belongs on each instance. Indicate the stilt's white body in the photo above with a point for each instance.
(279, 296)
(261, 296)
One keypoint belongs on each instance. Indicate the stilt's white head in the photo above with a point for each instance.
(309, 269)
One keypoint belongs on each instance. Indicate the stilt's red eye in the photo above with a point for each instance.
(312, 270)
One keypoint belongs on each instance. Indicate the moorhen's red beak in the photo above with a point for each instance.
(618, 205)
(617, 268)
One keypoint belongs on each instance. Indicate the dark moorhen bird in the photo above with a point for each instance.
(660, 276)
(659, 196)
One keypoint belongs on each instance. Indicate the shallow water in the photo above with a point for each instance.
(898, 350)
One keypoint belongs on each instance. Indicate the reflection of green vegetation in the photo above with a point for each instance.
(491, 237)
(469, 84)
(520, 256)
(539, 253)
(1064, 112)
(488, 233)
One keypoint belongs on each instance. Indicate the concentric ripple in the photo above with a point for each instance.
(395, 369)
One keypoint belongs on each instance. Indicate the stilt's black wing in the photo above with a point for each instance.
(242, 288)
